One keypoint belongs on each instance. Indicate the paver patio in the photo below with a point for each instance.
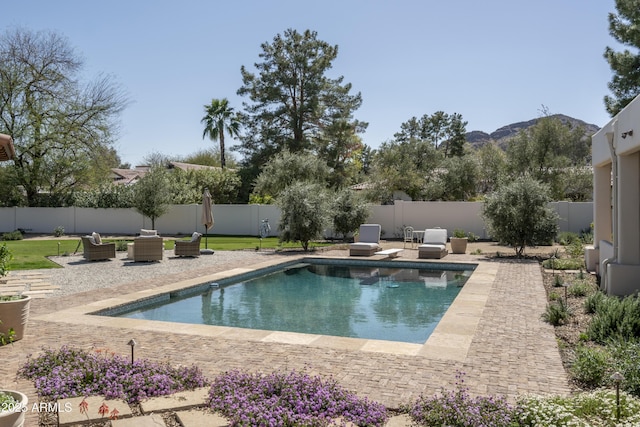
(495, 336)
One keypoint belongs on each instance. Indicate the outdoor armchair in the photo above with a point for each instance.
(95, 250)
(188, 247)
(148, 248)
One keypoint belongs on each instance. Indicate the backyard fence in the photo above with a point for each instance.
(246, 220)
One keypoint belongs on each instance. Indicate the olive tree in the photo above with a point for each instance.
(518, 214)
(152, 195)
(305, 213)
(349, 211)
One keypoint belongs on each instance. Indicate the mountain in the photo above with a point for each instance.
(478, 138)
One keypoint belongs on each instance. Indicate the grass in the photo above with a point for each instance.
(31, 254)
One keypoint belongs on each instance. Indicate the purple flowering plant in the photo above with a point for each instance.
(457, 408)
(284, 399)
(70, 372)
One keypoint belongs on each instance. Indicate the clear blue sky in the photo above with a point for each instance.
(495, 61)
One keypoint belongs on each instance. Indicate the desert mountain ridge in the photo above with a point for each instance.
(478, 138)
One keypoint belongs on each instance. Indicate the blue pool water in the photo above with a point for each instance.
(363, 301)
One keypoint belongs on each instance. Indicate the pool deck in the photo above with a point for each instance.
(493, 333)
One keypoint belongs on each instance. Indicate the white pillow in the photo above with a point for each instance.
(91, 239)
(144, 232)
(195, 236)
(96, 238)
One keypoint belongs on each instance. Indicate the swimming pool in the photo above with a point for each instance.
(392, 300)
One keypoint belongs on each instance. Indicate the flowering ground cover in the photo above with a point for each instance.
(69, 372)
(294, 398)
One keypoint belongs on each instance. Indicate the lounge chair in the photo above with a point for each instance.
(148, 248)
(434, 243)
(95, 249)
(368, 241)
(188, 247)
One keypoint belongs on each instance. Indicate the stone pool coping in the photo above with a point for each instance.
(450, 340)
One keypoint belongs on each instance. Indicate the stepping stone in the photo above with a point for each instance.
(153, 420)
(36, 293)
(45, 286)
(399, 421)
(69, 410)
(177, 401)
(194, 418)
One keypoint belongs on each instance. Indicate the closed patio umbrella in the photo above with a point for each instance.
(207, 218)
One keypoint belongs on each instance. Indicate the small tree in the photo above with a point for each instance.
(517, 214)
(305, 213)
(349, 211)
(152, 194)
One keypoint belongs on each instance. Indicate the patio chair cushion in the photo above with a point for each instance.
(435, 243)
(147, 233)
(96, 238)
(195, 236)
(369, 233)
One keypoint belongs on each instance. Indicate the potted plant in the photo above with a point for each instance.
(14, 313)
(13, 406)
(459, 241)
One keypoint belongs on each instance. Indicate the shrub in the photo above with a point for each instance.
(596, 408)
(5, 257)
(556, 313)
(615, 318)
(305, 213)
(69, 372)
(457, 409)
(575, 249)
(518, 214)
(626, 360)
(121, 245)
(58, 231)
(579, 288)
(348, 211)
(289, 399)
(13, 235)
(592, 302)
(563, 263)
(590, 366)
(567, 237)
(553, 296)
(558, 281)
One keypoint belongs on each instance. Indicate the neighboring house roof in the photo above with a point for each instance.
(130, 176)
(127, 176)
(189, 166)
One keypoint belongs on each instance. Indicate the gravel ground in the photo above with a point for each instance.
(79, 275)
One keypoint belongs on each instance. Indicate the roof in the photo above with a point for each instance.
(189, 166)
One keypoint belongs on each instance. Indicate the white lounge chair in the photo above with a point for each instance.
(434, 243)
(368, 241)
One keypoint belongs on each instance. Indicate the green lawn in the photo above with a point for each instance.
(30, 254)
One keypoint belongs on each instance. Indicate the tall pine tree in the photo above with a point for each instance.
(625, 83)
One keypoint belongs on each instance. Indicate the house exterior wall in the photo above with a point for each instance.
(616, 161)
(246, 219)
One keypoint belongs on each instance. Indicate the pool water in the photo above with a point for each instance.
(369, 302)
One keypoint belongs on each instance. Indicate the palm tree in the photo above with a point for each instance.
(218, 119)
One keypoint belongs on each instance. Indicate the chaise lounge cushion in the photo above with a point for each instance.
(369, 238)
(434, 243)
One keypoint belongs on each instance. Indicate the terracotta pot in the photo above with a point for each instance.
(14, 314)
(458, 245)
(13, 416)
